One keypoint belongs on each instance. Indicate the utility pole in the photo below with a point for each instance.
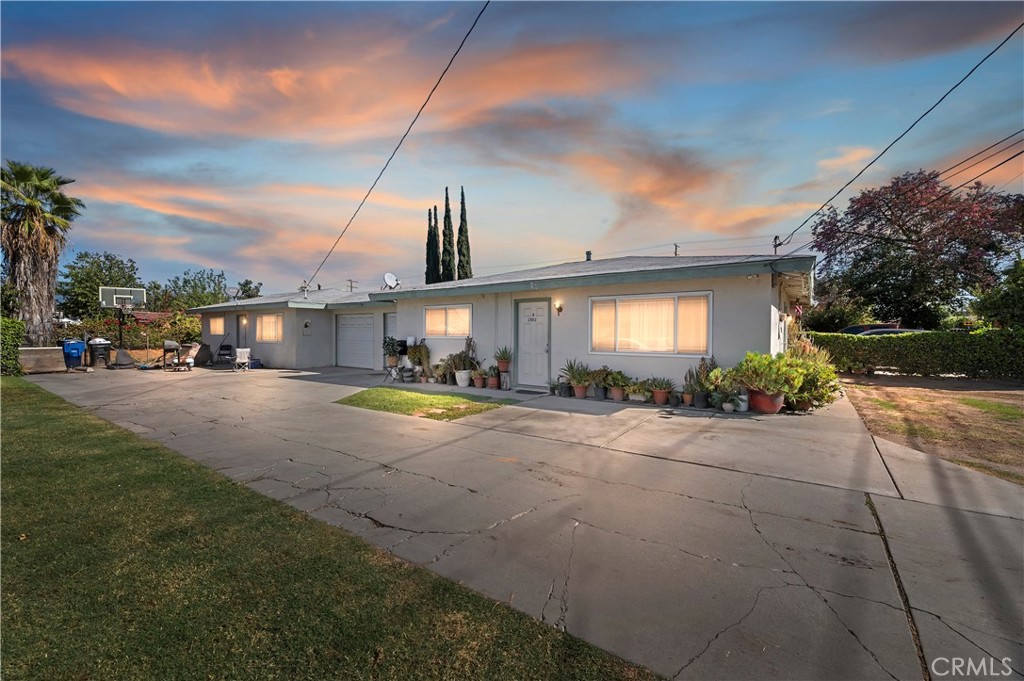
(677, 249)
(776, 242)
(352, 285)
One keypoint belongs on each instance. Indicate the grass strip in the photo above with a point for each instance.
(1006, 412)
(123, 560)
(437, 406)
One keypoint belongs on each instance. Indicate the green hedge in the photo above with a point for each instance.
(12, 334)
(979, 354)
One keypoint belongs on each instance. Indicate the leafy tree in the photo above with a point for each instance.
(465, 260)
(913, 248)
(247, 289)
(1004, 303)
(433, 271)
(158, 297)
(191, 289)
(835, 315)
(448, 244)
(36, 216)
(86, 273)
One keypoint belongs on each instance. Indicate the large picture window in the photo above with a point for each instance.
(269, 328)
(216, 326)
(448, 320)
(662, 324)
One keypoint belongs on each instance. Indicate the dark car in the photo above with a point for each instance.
(888, 332)
(860, 328)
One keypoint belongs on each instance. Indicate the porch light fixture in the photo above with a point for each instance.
(558, 308)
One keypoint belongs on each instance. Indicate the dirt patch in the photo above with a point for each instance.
(979, 424)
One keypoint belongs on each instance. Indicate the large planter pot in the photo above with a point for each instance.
(660, 397)
(478, 381)
(617, 394)
(462, 377)
(493, 382)
(503, 364)
(673, 399)
(687, 399)
(700, 400)
(580, 391)
(763, 403)
(392, 361)
(565, 390)
(600, 393)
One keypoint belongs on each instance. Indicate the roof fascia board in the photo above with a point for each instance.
(803, 264)
(362, 303)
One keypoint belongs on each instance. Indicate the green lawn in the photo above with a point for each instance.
(124, 560)
(1005, 412)
(438, 406)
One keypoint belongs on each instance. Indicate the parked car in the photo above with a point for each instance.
(859, 328)
(887, 332)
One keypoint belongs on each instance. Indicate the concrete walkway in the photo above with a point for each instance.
(699, 546)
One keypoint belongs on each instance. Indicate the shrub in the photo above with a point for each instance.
(769, 374)
(834, 317)
(997, 353)
(820, 384)
(12, 334)
(576, 372)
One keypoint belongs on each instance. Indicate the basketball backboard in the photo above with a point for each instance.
(115, 297)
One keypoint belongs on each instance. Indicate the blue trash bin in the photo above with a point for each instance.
(74, 351)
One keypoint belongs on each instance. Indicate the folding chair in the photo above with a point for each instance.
(224, 353)
(241, 359)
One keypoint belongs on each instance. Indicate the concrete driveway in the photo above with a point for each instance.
(779, 547)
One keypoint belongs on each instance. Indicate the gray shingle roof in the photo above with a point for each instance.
(314, 298)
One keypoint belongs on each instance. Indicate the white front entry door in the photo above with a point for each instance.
(532, 354)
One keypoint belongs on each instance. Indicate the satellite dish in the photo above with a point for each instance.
(232, 291)
(391, 281)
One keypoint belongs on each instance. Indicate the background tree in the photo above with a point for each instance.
(448, 243)
(432, 274)
(465, 260)
(82, 277)
(914, 247)
(191, 289)
(248, 289)
(1004, 303)
(36, 216)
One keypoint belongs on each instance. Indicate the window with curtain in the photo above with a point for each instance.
(448, 320)
(673, 324)
(269, 328)
(216, 326)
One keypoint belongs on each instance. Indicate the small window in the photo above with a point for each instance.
(448, 320)
(216, 326)
(269, 328)
(668, 324)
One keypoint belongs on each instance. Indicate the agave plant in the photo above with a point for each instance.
(576, 372)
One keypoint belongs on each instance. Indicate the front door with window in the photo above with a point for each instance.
(533, 363)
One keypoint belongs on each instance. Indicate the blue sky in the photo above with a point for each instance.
(241, 136)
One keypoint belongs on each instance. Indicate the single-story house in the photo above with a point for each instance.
(648, 316)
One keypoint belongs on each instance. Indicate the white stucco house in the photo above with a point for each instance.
(647, 316)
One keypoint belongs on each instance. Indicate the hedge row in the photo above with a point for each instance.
(979, 354)
(12, 334)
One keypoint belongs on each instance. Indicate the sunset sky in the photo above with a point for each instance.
(241, 136)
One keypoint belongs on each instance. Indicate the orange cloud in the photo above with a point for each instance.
(849, 158)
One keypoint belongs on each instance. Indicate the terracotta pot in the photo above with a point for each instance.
(503, 364)
(580, 391)
(763, 403)
(423, 379)
(392, 360)
(493, 382)
(660, 397)
(618, 394)
(687, 399)
(478, 381)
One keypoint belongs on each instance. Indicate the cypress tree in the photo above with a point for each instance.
(465, 261)
(448, 243)
(433, 273)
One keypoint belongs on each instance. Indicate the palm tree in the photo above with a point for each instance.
(36, 216)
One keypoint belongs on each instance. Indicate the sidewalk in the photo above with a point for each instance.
(699, 547)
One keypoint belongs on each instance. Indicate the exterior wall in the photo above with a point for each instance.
(272, 355)
(742, 311)
(313, 334)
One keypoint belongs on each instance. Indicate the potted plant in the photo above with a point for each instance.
(637, 390)
(689, 386)
(660, 387)
(702, 385)
(767, 380)
(493, 378)
(599, 378)
(564, 388)
(463, 363)
(617, 382)
(479, 376)
(578, 375)
(391, 349)
(552, 387)
(503, 356)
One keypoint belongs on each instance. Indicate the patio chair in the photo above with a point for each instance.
(224, 353)
(241, 359)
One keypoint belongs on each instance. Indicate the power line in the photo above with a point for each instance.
(400, 141)
(789, 237)
(960, 186)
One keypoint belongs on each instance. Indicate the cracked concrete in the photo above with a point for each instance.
(699, 546)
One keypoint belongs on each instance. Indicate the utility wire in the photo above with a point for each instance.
(399, 145)
(789, 237)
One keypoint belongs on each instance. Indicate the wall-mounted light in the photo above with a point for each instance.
(558, 308)
(245, 320)
(753, 276)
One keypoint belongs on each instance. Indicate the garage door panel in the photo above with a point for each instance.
(355, 341)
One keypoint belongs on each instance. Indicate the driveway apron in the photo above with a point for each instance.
(701, 547)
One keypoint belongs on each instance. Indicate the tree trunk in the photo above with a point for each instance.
(35, 277)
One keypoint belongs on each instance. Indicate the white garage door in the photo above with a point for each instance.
(355, 340)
